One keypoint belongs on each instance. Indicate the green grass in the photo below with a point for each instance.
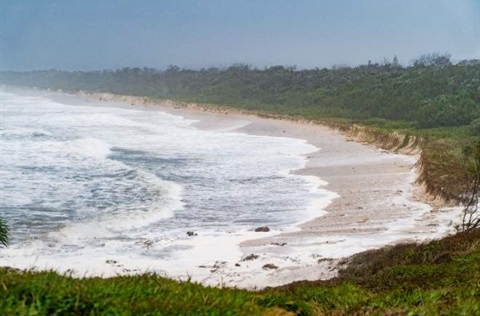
(50, 294)
(441, 277)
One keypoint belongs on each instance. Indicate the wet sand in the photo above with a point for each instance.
(376, 202)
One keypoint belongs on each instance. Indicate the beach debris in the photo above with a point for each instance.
(281, 244)
(110, 261)
(269, 266)
(250, 257)
(190, 233)
(262, 229)
(218, 265)
(237, 265)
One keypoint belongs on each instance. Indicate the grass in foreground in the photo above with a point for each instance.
(439, 277)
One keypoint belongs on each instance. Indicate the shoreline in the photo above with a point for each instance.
(376, 205)
(379, 201)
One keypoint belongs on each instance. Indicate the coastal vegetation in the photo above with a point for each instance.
(440, 277)
(429, 94)
(3, 233)
(471, 213)
(432, 103)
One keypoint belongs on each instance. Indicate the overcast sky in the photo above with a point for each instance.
(110, 34)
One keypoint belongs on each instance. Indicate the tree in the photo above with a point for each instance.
(172, 69)
(395, 62)
(3, 233)
(433, 60)
(471, 213)
(447, 110)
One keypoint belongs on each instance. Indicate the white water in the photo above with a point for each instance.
(107, 190)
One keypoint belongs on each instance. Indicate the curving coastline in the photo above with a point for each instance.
(379, 203)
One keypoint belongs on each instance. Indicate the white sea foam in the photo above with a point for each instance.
(24, 132)
(89, 147)
(121, 184)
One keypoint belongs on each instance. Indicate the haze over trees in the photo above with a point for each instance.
(432, 92)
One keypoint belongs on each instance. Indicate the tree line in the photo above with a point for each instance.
(432, 92)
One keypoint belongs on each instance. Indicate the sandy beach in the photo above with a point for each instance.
(378, 203)
(374, 201)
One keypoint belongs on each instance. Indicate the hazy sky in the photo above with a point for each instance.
(109, 34)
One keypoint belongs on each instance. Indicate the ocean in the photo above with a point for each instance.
(103, 190)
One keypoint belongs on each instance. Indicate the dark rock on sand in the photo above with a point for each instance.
(262, 229)
(250, 257)
(269, 266)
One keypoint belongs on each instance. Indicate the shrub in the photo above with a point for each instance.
(3, 233)
(474, 127)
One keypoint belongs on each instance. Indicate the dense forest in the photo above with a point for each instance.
(431, 92)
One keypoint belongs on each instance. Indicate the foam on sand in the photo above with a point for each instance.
(122, 186)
